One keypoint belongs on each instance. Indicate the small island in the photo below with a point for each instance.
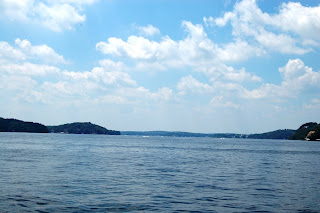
(82, 128)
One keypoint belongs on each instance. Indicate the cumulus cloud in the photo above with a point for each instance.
(299, 19)
(293, 19)
(55, 15)
(189, 84)
(137, 47)
(280, 43)
(164, 94)
(110, 65)
(297, 75)
(17, 83)
(196, 51)
(238, 51)
(24, 50)
(209, 22)
(42, 52)
(9, 53)
(111, 99)
(148, 30)
(240, 75)
(59, 16)
(29, 69)
(223, 72)
(100, 76)
(25, 69)
(220, 102)
(297, 78)
(16, 9)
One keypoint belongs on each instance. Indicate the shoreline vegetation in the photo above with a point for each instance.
(14, 125)
(82, 128)
(308, 131)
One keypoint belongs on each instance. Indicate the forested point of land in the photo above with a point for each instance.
(14, 125)
(308, 131)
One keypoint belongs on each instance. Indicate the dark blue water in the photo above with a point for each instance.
(92, 173)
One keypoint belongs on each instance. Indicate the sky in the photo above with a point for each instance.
(205, 66)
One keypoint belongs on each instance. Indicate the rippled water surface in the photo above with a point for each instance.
(97, 173)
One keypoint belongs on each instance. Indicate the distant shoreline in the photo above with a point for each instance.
(308, 131)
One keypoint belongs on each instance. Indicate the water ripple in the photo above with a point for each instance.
(92, 173)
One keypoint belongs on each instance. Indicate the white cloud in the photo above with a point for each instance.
(189, 84)
(16, 9)
(194, 46)
(280, 43)
(74, 2)
(224, 20)
(24, 51)
(240, 75)
(150, 66)
(100, 76)
(148, 30)
(248, 20)
(266, 91)
(40, 52)
(297, 79)
(238, 51)
(228, 91)
(29, 69)
(135, 47)
(8, 53)
(111, 99)
(227, 73)
(313, 105)
(220, 102)
(107, 83)
(110, 65)
(164, 94)
(59, 16)
(208, 21)
(299, 76)
(55, 15)
(196, 51)
(17, 82)
(301, 20)
(140, 95)
(61, 88)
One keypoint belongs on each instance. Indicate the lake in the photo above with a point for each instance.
(99, 173)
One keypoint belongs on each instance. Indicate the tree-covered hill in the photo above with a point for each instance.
(13, 125)
(278, 134)
(82, 128)
(309, 131)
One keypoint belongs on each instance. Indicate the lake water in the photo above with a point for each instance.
(98, 173)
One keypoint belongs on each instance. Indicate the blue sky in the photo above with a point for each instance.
(201, 66)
